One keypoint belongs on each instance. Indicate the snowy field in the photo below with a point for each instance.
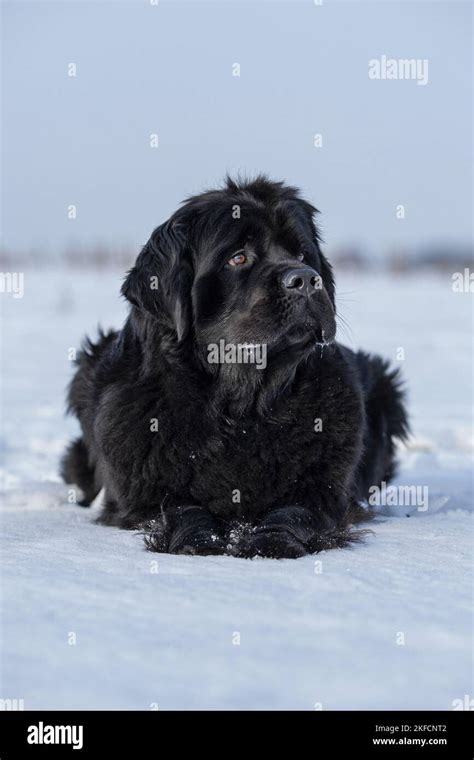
(386, 624)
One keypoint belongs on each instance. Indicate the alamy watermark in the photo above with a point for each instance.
(237, 353)
(12, 282)
(463, 282)
(466, 703)
(12, 704)
(52, 734)
(399, 496)
(399, 68)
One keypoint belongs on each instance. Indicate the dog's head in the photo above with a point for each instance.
(241, 265)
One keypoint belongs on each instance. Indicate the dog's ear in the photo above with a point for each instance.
(326, 271)
(327, 277)
(161, 280)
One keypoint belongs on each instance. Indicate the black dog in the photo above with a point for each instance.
(223, 417)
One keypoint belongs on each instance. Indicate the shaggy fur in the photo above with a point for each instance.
(229, 458)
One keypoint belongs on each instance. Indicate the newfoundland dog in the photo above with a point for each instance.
(224, 418)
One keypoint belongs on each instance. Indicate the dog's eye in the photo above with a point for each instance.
(300, 256)
(238, 259)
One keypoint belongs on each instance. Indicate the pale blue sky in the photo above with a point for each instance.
(168, 69)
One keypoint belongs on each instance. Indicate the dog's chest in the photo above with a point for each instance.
(246, 469)
(243, 467)
(253, 464)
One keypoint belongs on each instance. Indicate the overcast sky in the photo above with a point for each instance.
(168, 69)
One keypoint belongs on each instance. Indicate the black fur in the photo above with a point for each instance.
(237, 463)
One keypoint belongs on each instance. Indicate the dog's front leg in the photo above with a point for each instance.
(293, 531)
(185, 530)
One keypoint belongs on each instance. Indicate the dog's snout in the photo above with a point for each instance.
(302, 280)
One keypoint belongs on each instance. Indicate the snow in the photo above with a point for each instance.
(157, 631)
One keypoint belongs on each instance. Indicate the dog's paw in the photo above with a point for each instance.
(184, 530)
(201, 542)
(156, 535)
(276, 544)
(284, 533)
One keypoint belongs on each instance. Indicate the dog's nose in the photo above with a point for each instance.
(302, 280)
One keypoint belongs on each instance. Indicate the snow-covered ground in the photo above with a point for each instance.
(386, 624)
